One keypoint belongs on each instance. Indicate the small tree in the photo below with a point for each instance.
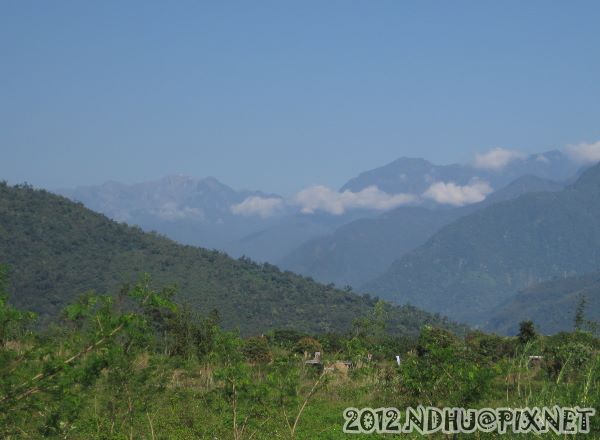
(307, 344)
(373, 325)
(442, 370)
(257, 350)
(526, 332)
(580, 313)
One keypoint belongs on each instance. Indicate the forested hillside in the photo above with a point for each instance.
(475, 263)
(56, 250)
(552, 305)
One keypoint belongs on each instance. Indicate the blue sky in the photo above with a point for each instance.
(280, 95)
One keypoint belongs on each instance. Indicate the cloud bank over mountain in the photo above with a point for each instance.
(261, 206)
(413, 181)
(322, 198)
(497, 158)
(449, 193)
(585, 153)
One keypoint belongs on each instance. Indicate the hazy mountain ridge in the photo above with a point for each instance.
(413, 175)
(363, 249)
(200, 211)
(189, 210)
(475, 263)
(171, 197)
(273, 243)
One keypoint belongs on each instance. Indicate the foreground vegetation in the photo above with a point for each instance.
(138, 366)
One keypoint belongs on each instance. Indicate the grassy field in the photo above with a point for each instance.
(140, 367)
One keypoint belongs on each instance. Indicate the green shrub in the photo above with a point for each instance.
(308, 345)
(257, 350)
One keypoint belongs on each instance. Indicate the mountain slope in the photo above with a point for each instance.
(362, 250)
(57, 249)
(473, 264)
(551, 305)
(275, 242)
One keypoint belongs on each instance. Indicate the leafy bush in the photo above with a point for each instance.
(443, 371)
(307, 345)
(257, 350)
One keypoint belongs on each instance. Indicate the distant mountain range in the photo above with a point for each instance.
(363, 249)
(189, 210)
(476, 263)
(202, 211)
(56, 250)
(415, 176)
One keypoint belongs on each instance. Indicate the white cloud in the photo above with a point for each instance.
(452, 194)
(497, 158)
(542, 158)
(584, 152)
(172, 211)
(261, 206)
(322, 198)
